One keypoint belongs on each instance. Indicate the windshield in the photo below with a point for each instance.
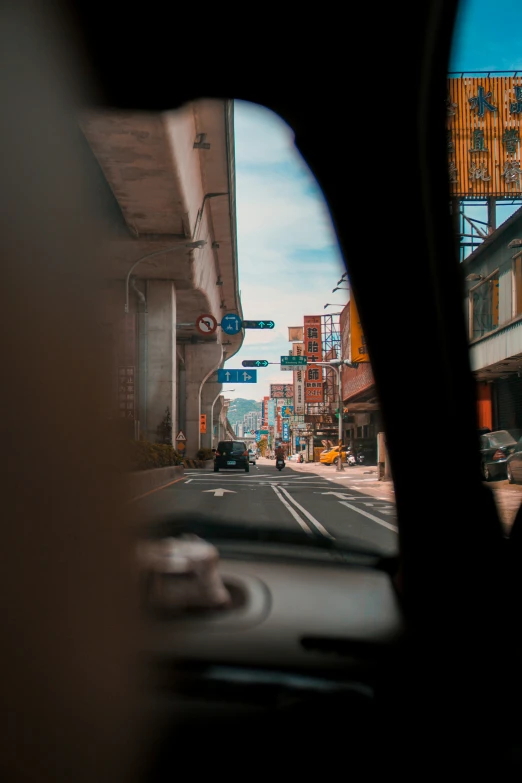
(268, 356)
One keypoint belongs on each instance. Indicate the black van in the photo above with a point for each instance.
(231, 454)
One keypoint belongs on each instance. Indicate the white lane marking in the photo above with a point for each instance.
(255, 483)
(218, 493)
(307, 514)
(188, 481)
(370, 516)
(292, 511)
(344, 496)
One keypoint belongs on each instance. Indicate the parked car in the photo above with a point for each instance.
(231, 454)
(495, 448)
(252, 456)
(514, 465)
(331, 456)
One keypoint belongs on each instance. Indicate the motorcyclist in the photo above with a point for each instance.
(280, 453)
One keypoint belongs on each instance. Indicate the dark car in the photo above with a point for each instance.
(514, 464)
(495, 448)
(231, 454)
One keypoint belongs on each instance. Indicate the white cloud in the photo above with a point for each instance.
(289, 260)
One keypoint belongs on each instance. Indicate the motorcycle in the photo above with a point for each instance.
(360, 458)
(280, 463)
(351, 459)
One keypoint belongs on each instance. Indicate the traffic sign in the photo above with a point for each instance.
(255, 363)
(294, 361)
(181, 436)
(231, 323)
(237, 376)
(206, 324)
(267, 324)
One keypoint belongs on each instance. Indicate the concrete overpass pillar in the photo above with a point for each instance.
(161, 357)
(209, 393)
(201, 360)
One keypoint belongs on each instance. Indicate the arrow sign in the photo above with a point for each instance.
(218, 493)
(206, 324)
(231, 323)
(236, 376)
(255, 363)
(258, 324)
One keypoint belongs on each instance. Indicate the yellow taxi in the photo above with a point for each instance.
(330, 456)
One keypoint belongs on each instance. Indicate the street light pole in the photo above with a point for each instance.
(179, 246)
(212, 415)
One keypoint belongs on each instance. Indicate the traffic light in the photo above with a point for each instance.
(255, 363)
(258, 324)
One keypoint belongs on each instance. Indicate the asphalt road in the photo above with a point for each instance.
(291, 499)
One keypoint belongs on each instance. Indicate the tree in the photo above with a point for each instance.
(262, 446)
(165, 429)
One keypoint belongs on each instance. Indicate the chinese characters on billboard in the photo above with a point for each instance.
(281, 391)
(358, 349)
(299, 380)
(313, 350)
(483, 136)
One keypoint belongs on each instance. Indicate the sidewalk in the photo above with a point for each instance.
(364, 478)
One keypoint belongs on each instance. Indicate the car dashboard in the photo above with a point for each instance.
(305, 639)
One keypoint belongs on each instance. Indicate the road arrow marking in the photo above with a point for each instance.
(218, 493)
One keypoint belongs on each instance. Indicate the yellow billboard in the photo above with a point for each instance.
(483, 136)
(358, 350)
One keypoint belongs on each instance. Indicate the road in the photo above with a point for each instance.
(292, 499)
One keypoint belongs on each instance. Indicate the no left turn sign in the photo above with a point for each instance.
(206, 324)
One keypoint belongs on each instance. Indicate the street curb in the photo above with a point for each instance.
(143, 481)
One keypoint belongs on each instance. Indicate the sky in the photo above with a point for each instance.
(289, 260)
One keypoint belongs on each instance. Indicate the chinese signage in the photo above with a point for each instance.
(483, 117)
(299, 380)
(126, 389)
(264, 417)
(286, 430)
(203, 423)
(287, 410)
(271, 413)
(313, 350)
(294, 361)
(280, 391)
(358, 349)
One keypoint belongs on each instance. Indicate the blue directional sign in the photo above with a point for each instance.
(286, 430)
(231, 323)
(237, 376)
(268, 324)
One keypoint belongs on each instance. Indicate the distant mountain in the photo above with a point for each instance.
(240, 407)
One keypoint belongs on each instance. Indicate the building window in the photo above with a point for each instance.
(517, 285)
(484, 307)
